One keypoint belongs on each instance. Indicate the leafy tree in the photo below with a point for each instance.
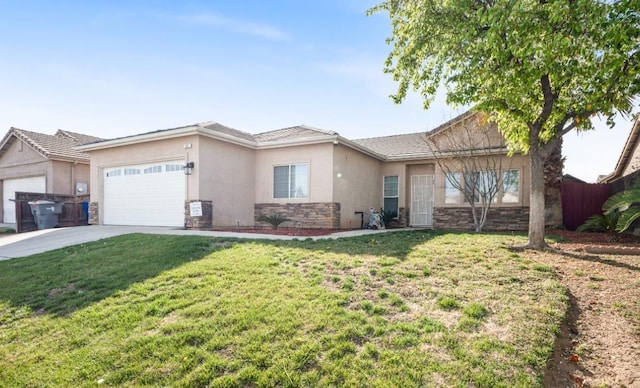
(540, 68)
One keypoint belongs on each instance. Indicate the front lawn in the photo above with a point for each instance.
(396, 309)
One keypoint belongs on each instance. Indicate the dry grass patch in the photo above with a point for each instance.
(404, 309)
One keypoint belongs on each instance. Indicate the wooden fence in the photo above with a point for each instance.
(73, 210)
(582, 200)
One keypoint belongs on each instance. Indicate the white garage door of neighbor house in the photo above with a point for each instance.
(35, 184)
(148, 195)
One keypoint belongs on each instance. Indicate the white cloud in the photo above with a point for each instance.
(234, 25)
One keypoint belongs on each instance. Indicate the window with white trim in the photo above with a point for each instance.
(390, 196)
(511, 186)
(481, 184)
(131, 171)
(291, 181)
(173, 167)
(451, 184)
(153, 169)
(476, 183)
(113, 173)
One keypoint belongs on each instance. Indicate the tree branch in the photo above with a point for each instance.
(549, 100)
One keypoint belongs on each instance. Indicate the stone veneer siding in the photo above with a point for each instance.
(198, 222)
(325, 215)
(94, 213)
(498, 219)
(403, 217)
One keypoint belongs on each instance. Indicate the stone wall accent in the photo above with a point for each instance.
(498, 219)
(203, 222)
(403, 217)
(94, 213)
(325, 215)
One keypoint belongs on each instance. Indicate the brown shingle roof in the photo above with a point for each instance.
(79, 138)
(58, 146)
(227, 130)
(299, 132)
(398, 145)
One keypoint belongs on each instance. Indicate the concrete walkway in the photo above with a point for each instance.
(30, 243)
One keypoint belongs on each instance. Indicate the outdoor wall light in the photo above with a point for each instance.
(188, 168)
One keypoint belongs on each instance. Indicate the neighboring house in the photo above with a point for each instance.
(39, 163)
(317, 178)
(626, 170)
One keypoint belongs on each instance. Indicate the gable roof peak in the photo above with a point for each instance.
(58, 146)
(292, 134)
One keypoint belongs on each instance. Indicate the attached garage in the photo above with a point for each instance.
(145, 194)
(36, 184)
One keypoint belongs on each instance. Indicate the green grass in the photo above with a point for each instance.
(7, 230)
(404, 309)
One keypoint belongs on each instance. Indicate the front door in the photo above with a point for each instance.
(422, 200)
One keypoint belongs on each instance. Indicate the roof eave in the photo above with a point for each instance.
(68, 159)
(164, 135)
(143, 138)
(627, 151)
(360, 148)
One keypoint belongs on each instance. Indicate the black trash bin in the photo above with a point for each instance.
(45, 213)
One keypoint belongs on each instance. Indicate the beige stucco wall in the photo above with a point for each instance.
(357, 184)
(320, 160)
(226, 173)
(634, 162)
(516, 162)
(21, 161)
(140, 153)
(391, 169)
(66, 175)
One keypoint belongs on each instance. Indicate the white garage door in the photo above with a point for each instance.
(149, 194)
(36, 184)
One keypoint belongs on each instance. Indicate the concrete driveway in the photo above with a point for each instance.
(30, 243)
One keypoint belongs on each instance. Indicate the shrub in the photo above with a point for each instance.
(274, 220)
(600, 223)
(389, 216)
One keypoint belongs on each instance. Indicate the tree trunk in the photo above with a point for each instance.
(553, 187)
(536, 206)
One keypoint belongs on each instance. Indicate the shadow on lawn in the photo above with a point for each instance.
(65, 280)
(597, 259)
(390, 244)
(62, 281)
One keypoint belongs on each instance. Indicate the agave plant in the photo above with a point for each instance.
(274, 220)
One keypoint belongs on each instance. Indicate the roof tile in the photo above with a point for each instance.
(58, 146)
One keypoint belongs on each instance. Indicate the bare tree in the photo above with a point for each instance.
(472, 155)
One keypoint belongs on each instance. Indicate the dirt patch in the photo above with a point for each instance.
(599, 344)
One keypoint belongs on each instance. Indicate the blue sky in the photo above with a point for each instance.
(117, 68)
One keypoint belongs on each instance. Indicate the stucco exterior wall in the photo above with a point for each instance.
(226, 174)
(320, 160)
(147, 152)
(18, 154)
(391, 169)
(634, 162)
(357, 184)
(66, 175)
(21, 161)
